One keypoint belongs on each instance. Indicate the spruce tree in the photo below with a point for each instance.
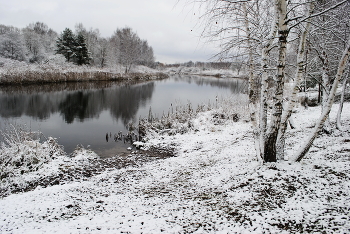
(82, 55)
(66, 44)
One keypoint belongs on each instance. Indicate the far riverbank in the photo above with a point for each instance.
(21, 73)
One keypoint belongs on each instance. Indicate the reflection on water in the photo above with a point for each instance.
(84, 113)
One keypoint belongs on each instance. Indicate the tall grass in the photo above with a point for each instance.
(19, 73)
(179, 118)
(22, 152)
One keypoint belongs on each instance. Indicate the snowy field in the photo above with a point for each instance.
(214, 185)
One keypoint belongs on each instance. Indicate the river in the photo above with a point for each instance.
(83, 113)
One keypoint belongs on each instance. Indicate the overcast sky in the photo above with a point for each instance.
(165, 24)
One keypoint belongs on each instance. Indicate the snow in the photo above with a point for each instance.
(204, 72)
(56, 69)
(214, 185)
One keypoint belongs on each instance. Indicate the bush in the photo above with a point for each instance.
(21, 151)
(180, 118)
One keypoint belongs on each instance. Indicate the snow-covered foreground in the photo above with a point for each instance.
(214, 185)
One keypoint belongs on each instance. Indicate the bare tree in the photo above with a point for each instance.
(327, 40)
(301, 62)
(240, 28)
(12, 46)
(267, 46)
(345, 80)
(325, 112)
(261, 33)
(34, 46)
(129, 49)
(39, 41)
(102, 56)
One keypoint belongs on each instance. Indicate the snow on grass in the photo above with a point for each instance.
(214, 185)
(26, 163)
(204, 72)
(55, 69)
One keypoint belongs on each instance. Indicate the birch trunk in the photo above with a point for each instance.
(272, 133)
(325, 112)
(252, 89)
(339, 127)
(298, 77)
(325, 85)
(264, 84)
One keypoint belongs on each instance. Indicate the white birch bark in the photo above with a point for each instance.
(325, 85)
(298, 77)
(340, 110)
(252, 89)
(325, 112)
(271, 135)
(263, 91)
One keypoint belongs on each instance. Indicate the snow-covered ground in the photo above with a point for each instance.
(214, 185)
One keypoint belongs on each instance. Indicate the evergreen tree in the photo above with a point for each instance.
(73, 47)
(82, 54)
(66, 44)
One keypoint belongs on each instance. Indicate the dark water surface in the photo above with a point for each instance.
(82, 113)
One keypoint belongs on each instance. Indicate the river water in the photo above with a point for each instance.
(83, 113)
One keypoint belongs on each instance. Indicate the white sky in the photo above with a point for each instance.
(165, 24)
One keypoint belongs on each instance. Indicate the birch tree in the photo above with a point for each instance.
(340, 110)
(244, 23)
(240, 29)
(298, 77)
(273, 129)
(327, 40)
(265, 54)
(325, 112)
(230, 16)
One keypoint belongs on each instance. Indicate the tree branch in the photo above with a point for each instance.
(316, 14)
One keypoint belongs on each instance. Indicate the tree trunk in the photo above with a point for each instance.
(298, 77)
(264, 84)
(319, 92)
(325, 85)
(339, 127)
(252, 89)
(325, 112)
(271, 135)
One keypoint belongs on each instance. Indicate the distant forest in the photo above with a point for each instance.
(36, 43)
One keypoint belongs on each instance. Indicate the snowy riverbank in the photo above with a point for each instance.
(214, 185)
(219, 73)
(54, 70)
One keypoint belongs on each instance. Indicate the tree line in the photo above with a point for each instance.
(37, 42)
(301, 43)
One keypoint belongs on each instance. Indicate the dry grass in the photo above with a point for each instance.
(19, 74)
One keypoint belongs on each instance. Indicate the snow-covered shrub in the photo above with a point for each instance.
(180, 118)
(56, 59)
(26, 163)
(21, 151)
(82, 154)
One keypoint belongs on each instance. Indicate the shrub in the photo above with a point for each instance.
(21, 151)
